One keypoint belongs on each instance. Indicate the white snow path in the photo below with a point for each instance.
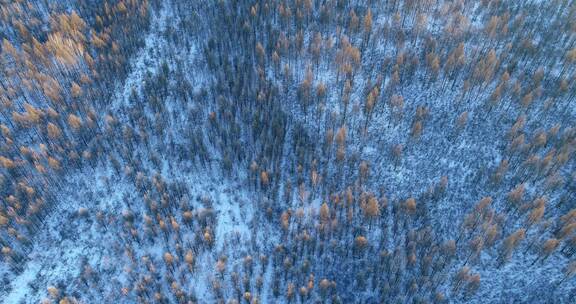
(144, 60)
(230, 219)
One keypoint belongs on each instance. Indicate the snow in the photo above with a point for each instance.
(64, 242)
(230, 220)
(69, 242)
(143, 61)
(80, 239)
(20, 288)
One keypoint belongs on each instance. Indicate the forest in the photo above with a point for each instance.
(287, 151)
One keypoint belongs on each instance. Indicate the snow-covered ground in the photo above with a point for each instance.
(89, 229)
(144, 61)
(72, 239)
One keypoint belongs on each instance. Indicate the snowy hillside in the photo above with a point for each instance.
(294, 151)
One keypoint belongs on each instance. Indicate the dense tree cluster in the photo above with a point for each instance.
(57, 67)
